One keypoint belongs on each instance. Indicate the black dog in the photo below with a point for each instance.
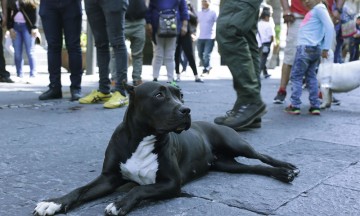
(157, 146)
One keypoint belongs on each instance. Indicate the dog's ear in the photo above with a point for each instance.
(129, 88)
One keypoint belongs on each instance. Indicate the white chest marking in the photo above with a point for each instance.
(142, 166)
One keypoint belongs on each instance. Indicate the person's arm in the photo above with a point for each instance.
(328, 25)
(184, 16)
(287, 15)
(338, 10)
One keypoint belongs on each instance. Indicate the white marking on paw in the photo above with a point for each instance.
(142, 166)
(47, 208)
(111, 209)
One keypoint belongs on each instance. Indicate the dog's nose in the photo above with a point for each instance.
(184, 110)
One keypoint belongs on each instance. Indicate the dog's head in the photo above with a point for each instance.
(158, 108)
(329, 59)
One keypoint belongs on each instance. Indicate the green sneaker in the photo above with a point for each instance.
(94, 97)
(314, 111)
(292, 110)
(117, 100)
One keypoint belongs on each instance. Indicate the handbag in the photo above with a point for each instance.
(38, 36)
(348, 28)
(167, 23)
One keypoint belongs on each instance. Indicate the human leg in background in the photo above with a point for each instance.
(289, 56)
(135, 32)
(208, 48)
(4, 74)
(158, 57)
(169, 57)
(187, 48)
(51, 18)
(238, 44)
(71, 19)
(18, 42)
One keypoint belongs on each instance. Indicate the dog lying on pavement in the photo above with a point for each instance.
(159, 148)
(333, 77)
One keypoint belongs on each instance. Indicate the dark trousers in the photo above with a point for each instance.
(184, 43)
(107, 21)
(354, 49)
(3, 72)
(264, 53)
(236, 36)
(58, 19)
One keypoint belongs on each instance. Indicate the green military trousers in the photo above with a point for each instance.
(236, 37)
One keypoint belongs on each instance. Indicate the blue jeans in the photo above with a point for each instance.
(307, 59)
(205, 47)
(339, 45)
(107, 21)
(59, 18)
(23, 37)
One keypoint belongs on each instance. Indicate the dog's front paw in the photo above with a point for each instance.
(112, 210)
(285, 175)
(46, 208)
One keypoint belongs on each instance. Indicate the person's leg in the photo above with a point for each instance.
(178, 51)
(135, 31)
(114, 12)
(189, 53)
(72, 18)
(289, 56)
(18, 48)
(235, 40)
(357, 44)
(29, 42)
(158, 56)
(300, 66)
(338, 47)
(169, 55)
(200, 48)
(97, 22)
(352, 49)
(311, 80)
(184, 61)
(4, 75)
(51, 19)
(208, 48)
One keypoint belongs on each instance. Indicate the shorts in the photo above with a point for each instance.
(291, 42)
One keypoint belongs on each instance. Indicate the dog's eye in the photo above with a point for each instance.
(159, 95)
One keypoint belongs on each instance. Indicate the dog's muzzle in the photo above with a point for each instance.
(184, 119)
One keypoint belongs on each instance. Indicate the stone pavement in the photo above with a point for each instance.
(51, 147)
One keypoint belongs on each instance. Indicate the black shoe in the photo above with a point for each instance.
(198, 80)
(52, 93)
(280, 98)
(243, 117)
(335, 101)
(75, 94)
(254, 125)
(220, 120)
(155, 80)
(267, 76)
(6, 79)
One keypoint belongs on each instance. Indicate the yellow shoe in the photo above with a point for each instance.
(94, 97)
(116, 100)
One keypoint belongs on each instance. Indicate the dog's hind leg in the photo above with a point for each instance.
(326, 97)
(232, 166)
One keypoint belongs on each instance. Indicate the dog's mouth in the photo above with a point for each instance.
(181, 128)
